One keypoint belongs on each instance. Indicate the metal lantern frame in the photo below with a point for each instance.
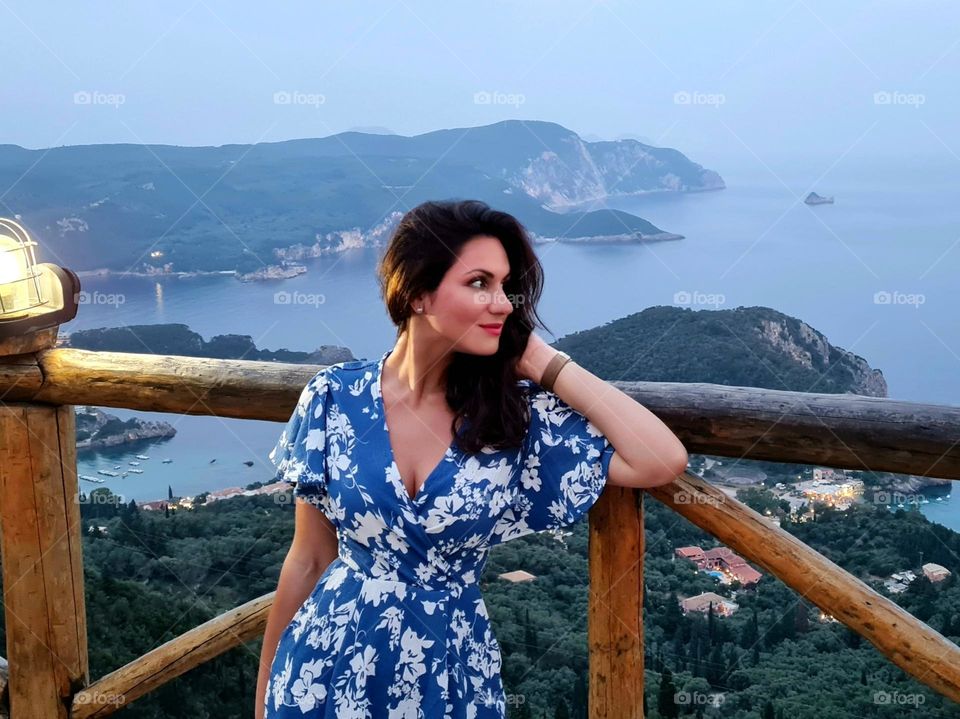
(56, 289)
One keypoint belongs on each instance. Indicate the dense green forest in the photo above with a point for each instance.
(151, 576)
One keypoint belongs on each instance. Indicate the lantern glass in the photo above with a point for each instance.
(21, 285)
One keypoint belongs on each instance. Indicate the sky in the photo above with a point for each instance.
(810, 78)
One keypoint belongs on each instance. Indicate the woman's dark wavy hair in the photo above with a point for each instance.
(482, 389)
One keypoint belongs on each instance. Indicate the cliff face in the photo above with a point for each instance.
(574, 172)
(96, 428)
(331, 243)
(810, 349)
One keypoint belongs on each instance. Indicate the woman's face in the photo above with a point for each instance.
(470, 295)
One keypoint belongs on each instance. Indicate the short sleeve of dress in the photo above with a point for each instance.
(300, 452)
(565, 462)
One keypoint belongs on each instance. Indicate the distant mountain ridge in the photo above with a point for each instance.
(164, 209)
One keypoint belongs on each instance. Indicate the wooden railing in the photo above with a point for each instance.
(41, 532)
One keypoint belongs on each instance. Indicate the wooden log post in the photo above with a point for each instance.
(40, 532)
(615, 612)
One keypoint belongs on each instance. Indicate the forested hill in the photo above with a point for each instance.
(745, 347)
(144, 208)
(179, 339)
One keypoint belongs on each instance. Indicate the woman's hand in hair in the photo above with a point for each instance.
(535, 358)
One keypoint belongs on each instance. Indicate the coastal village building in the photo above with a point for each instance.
(517, 575)
(188, 502)
(840, 493)
(731, 566)
(701, 603)
(154, 506)
(935, 572)
(899, 581)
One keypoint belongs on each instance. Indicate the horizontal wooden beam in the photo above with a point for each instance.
(170, 660)
(834, 430)
(157, 383)
(913, 646)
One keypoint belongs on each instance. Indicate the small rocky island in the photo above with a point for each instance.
(814, 199)
(97, 429)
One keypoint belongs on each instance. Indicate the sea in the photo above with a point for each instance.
(875, 272)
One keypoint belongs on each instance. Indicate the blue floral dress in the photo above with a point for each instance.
(396, 626)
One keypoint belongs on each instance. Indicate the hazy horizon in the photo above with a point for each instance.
(806, 79)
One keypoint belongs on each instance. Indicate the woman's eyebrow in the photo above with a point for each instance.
(483, 271)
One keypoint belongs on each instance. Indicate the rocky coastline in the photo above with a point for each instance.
(97, 429)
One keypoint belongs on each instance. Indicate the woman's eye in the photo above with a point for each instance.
(484, 281)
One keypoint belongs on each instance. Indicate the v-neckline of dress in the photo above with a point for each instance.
(395, 475)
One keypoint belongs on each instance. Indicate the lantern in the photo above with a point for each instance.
(33, 297)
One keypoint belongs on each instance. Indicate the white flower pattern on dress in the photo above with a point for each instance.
(396, 625)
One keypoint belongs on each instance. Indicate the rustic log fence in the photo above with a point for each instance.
(40, 530)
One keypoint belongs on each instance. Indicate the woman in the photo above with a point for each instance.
(469, 432)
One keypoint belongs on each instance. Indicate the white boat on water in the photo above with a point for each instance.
(107, 472)
(141, 456)
(88, 478)
(133, 464)
(136, 471)
(167, 461)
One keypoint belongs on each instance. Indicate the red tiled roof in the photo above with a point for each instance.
(746, 574)
(718, 552)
